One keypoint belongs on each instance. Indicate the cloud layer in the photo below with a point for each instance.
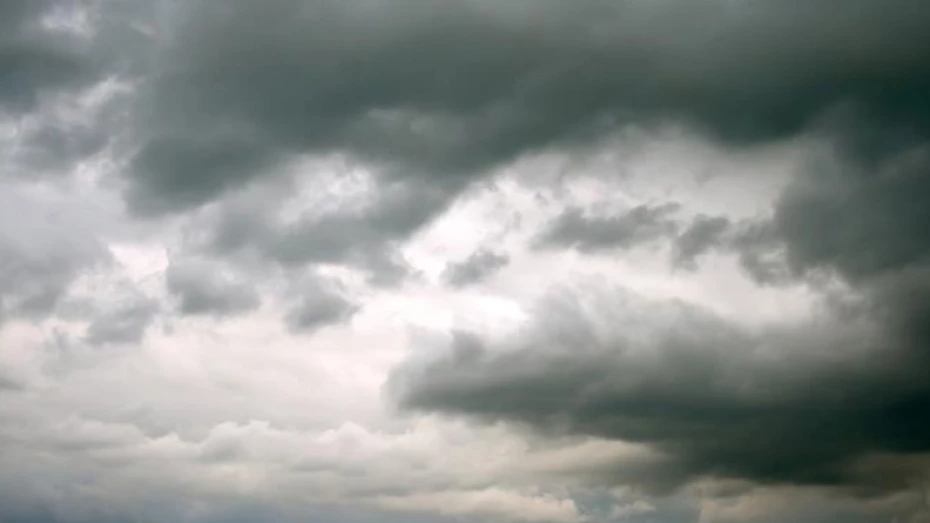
(473, 261)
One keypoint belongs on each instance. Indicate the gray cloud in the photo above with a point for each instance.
(475, 268)
(449, 90)
(366, 238)
(201, 288)
(432, 97)
(43, 249)
(54, 147)
(34, 58)
(703, 234)
(320, 303)
(123, 321)
(641, 224)
(862, 223)
(799, 406)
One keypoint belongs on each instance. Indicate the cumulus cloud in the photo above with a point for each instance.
(708, 392)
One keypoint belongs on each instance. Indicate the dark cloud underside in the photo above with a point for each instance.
(796, 406)
(443, 91)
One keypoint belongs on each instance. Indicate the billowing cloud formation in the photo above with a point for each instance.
(796, 405)
(454, 88)
(225, 225)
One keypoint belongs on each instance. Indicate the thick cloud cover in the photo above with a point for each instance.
(798, 404)
(225, 225)
(448, 89)
(433, 95)
(42, 250)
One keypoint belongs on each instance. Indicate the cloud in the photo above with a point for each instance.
(488, 503)
(302, 163)
(204, 289)
(800, 404)
(703, 234)
(320, 303)
(44, 248)
(434, 97)
(431, 99)
(475, 268)
(642, 224)
(364, 236)
(35, 58)
(863, 223)
(125, 322)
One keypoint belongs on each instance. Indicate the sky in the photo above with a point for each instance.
(464, 261)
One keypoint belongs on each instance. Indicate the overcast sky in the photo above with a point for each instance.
(470, 261)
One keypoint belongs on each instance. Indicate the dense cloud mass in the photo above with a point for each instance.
(524, 260)
(798, 405)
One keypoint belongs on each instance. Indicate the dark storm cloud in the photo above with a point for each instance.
(475, 268)
(863, 223)
(202, 289)
(641, 224)
(442, 91)
(801, 405)
(432, 96)
(797, 406)
(835, 216)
